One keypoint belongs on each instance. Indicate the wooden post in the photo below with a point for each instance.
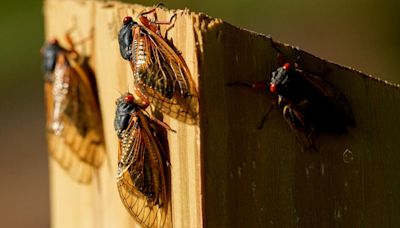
(225, 172)
(99, 205)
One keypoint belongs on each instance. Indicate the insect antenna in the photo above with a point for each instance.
(73, 44)
(160, 5)
(171, 25)
(152, 10)
(159, 122)
(266, 116)
(258, 85)
(239, 83)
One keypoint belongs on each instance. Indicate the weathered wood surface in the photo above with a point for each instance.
(225, 172)
(98, 205)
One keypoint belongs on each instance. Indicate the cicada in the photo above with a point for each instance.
(142, 163)
(74, 126)
(309, 103)
(160, 74)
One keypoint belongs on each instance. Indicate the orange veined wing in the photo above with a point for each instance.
(141, 178)
(162, 75)
(74, 130)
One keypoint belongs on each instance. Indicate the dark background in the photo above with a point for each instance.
(363, 34)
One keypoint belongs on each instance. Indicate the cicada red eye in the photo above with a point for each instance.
(129, 98)
(272, 88)
(127, 20)
(286, 66)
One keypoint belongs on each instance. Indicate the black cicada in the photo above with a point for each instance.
(160, 74)
(309, 103)
(142, 163)
(74, 127)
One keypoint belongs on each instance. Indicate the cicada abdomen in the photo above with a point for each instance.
(142, 164)
(160, 73)
(74, 126)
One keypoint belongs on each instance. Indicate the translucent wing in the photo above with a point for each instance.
(65, 157)
(74, 130)
(162, 75)
(141, 173)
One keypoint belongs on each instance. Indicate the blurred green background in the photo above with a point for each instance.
(363, 34)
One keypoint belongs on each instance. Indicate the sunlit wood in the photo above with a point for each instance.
(243, 177)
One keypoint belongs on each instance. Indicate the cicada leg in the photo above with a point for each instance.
(154, 24)
(144, 100)
(166, 22)
(152, 10)
(292, 119)
(263, 85)
(296, 122)
(265, 116)
(171, 25)
(159, 122)
(73, 44)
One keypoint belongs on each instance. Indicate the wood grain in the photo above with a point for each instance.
(225, 172)
(98, 205)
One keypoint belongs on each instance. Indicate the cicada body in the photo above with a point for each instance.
(160, 73)
(309, 103)
(74, 127)
(142, 164)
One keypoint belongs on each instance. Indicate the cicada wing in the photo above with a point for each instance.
(138, 206)
(141, 180)
(62, 154)
(298, 124)
(338, 99)
(86, 138)
(75, 140)
(166, 80)
(183, 109)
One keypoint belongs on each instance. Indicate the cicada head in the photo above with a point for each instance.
(50, 52)
(281, 79)
(125, 107)
(125, 37)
